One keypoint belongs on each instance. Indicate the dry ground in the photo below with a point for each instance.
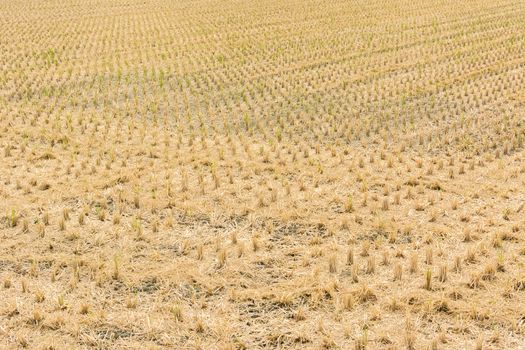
(262, 174)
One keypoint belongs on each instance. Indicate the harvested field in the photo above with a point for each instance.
(262, 174)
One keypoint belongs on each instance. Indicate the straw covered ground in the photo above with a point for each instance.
(262, 174)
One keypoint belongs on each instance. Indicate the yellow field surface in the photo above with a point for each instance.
(262, 174)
